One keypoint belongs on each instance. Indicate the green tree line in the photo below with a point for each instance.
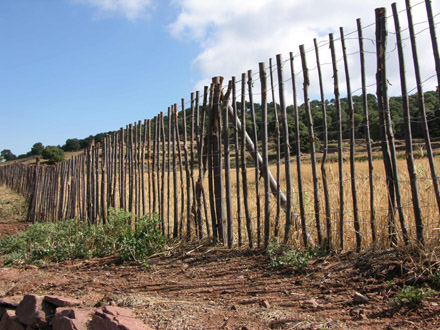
(430, 100)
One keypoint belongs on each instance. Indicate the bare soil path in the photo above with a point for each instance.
(209, 287)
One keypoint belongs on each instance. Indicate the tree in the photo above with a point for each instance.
(7, 155)
(72, 145)
(53, 154)
(37, 149)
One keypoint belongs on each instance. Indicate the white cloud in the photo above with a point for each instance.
(235, 36)
(131, 9)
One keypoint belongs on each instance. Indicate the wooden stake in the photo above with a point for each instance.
(407, 127)
(357, 227)
(367, 133)
(298, 154)
(306, 84)
(423, 116)
(340, 159)
(257, 165)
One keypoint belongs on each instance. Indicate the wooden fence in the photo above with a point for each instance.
(208, 173)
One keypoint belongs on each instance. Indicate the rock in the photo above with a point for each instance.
(10, 302)
(311, 303)
(359, 298)
(265, 304)
(116, 318)
(64, 323)
(115, 311)
(130, 323)
(61, 301)
(32, 311)
(99, 322)
(70, 319)
(9, 322)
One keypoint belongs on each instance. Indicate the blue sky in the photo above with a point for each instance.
(74, 68)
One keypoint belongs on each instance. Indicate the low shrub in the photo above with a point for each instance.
(75, 239)
(282, 256)
(410, 296)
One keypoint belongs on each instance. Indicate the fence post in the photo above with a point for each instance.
(380, 54)
(306, 84)
(340, 159)
(407, 129)
(237, 160)
(298, 154)
(265, 167)
(423, 116)
(366, 124)
(328, 242)
(257, 165)
(357, 227)
(286, 149)
(278, 147)
(227, 165)
(243, 160)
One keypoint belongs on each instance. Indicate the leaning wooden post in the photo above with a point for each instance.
(159, 194)
(265, 167)
(149, 167)
(357, 227)
(340, 159)
(257, 165)
(243, 160)
(105, 148)
(113, 169)
(139, 169)
(188, 174)
(169, 170)
(217, 160)
(182, 188)
(210, 165)
(135, 171)
(89, 182)
(227, 165)
(237, 161)
(298, 154)
(306, 84)
(175, 192)
(144, 142)
(389, 126)
(153, 164)
(130, 166)
(380, 55)
(162, 191)
(200, 147)
(423, 115)
(434, 43)
(324, 154)
(366, 124)
(193, 187)
(278, 147)
(123, 178)
(407, 129)
(286, 144)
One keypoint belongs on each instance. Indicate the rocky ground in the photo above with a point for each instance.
(210, 287)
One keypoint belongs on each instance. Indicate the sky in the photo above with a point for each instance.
(74, 68)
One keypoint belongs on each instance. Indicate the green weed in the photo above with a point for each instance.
(75, 239)
(282, 256)
(410, 296)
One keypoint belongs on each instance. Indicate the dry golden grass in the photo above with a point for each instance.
(426, 195)
(12, 205)
(430, 211)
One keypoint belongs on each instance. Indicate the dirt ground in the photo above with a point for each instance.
(210, 287)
